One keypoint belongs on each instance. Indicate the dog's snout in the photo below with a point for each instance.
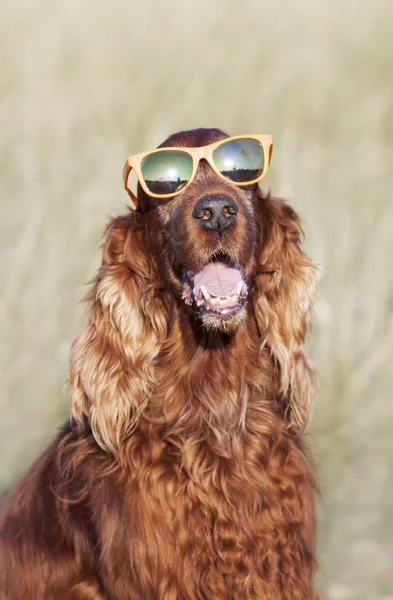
(216, 212)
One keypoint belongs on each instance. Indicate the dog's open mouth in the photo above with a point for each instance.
(218, 288)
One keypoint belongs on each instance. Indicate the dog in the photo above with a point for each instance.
(184, 471)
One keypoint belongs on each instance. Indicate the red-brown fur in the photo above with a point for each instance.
(184, 472)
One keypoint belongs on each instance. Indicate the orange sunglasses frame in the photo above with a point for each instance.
(206, 152)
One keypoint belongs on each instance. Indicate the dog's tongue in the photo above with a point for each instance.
(219, 280)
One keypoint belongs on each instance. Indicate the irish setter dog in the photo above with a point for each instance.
(183, 473)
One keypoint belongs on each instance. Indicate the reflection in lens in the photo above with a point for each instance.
(240, 160)
(167, 172)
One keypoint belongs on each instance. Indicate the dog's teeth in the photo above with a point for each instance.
(205, 292)
(222, 305)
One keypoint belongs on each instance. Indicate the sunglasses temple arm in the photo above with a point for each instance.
(126, 172)
(270, 152)
(134, 199)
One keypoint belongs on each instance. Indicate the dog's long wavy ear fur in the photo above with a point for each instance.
(285, 282)
(111, 370)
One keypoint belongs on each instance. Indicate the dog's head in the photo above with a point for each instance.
(216, 254)
(207, 240)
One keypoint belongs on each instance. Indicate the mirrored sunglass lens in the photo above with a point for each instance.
(167, 172)
(240, 160)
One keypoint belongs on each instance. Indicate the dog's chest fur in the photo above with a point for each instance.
(227, 487)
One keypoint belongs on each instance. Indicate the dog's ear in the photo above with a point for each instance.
(111, 369)
(284, 284)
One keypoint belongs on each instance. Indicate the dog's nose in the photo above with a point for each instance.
(216, 212)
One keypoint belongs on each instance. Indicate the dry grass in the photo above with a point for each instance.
(82, 86)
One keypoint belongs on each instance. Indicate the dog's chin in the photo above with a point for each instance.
(220, 322)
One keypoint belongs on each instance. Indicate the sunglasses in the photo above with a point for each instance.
(166, 172)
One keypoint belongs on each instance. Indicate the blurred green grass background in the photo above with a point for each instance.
(83, 85)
